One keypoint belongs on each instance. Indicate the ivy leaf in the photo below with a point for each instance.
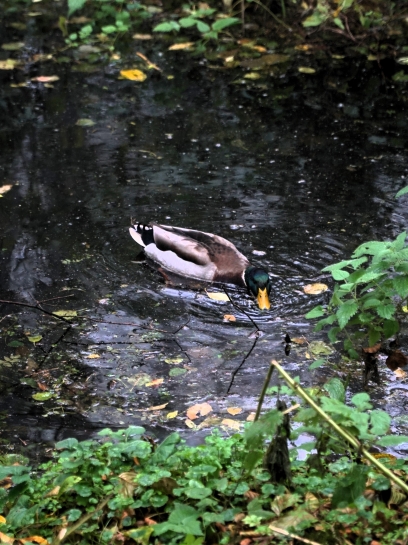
(346, 311)
(386, 311)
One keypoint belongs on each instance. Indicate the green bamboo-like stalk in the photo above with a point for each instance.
(341, 431)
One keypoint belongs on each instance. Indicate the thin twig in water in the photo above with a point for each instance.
(241, 364)
(239, 308)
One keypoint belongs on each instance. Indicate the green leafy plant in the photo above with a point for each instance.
(369, 296)
(198, 19)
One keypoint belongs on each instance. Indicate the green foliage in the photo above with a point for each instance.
(111, 489)
(200, 19)
(370, 294)
(326, 13)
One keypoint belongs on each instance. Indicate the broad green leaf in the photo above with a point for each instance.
(399, 242)
(315, 312)
(380, 422)
(373, 336)
(109, 29)
(362, 401)
(392, 440)
(202, 27)
(370, 248)
(220, 24)
(316, 364)
(402, 191)
(332, 334)
(315, 19)
(386, 311)
(335, 389)
(345, 312)
(348, 262)
(400, 284)
(67, 443)
(339, 274)
(372, 302)
(390, 328)
(187, 22)
(75, 5)
(167, 27)
(34, 338)
(42, 396)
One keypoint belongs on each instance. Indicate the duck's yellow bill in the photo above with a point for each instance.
(263, 299)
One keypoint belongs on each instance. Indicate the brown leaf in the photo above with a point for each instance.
(396, 359)
(200, 409)
(156, 382)
(233, 424)
(229, 318)
(234, 410)
(42, 386)
(133, 75)
(372, 349)
(315, 289)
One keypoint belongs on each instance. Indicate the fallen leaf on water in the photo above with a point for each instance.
(319, 348)
(264, 61)
(5, 188)
(372, 349)
(133, 75)
(6, 539)
(12, 46)
(85, 123)
(299, 340)
(173, 360)
(233, 424)
(34, 338)
(142, 36)
(209, 422)
(251, 417)
(217, 295)
(172, 415)
(229, 318)
(303, 47)
(306, 70)
(157, 407)
(315, 289)
(400, 373)
(252, 75)
(42, 386)
(42, 396)
(177, 47)
(155, 382)
(65, 313)
(234, 410)
(190, 424)
(45, 79)
(8, 64)
(92, 356)
(200, 409)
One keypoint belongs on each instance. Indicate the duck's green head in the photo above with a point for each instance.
(260, 285)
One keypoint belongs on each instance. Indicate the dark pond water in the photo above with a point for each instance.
(301, 167)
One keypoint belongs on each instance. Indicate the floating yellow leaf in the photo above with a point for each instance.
(209, 422)
(157, 407)
(93, 356)
(172, 415)
(133, 75)
(142, 36)
(234, 410)
(155, 382)
(34, 338)
(2, 520)
(315, 289)
(85, 123)
(8, 64)
(251, 417)
(5, 188)
(404, 308)
(229, 318)
(45, 79)
(65, 313)
(400, 373)
(200, 409)
(252, 75)
(173, 360)
(6, 539)
(184, 45)
(306, 70)
(217, 295)
(233, 424)
(190, 424)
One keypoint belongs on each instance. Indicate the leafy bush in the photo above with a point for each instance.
(370, 294)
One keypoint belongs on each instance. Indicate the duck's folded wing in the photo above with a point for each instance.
(182, 244)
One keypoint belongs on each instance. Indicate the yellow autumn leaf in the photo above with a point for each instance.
(190, 424)
(234, 410)
(315, 289)
(34, 338)
(306, 70)
(251, 417)
(233, 424)
(200, 409)
(299, 340)
(178, 47)
(8, 64)
(2, 520)
(93, 356)
(252, 75)
(133, 75)
(6, 539)
(65, 313)
(172, 415)
(217, 295)
(34, 539)
(142, 36)
(155, 382)
(5, 188)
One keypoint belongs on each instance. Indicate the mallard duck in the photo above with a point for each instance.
(201, 256)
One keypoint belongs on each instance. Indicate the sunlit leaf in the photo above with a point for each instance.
(42, 396)
(178, 47)
(200, 409)
(234, 410)
(75, 5)
(133, 75)
(93, 356)
(190, 424)
(6, 539)
(5, 188)
(217, 295)
(172, 415)
(65, 313)
(253, 75)
(232, 424)
(85, 123)
(315, 289)
(34, 338)
(229, 318)
(155, 382)
(173, 360)
(306, 70)
(45, 79)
